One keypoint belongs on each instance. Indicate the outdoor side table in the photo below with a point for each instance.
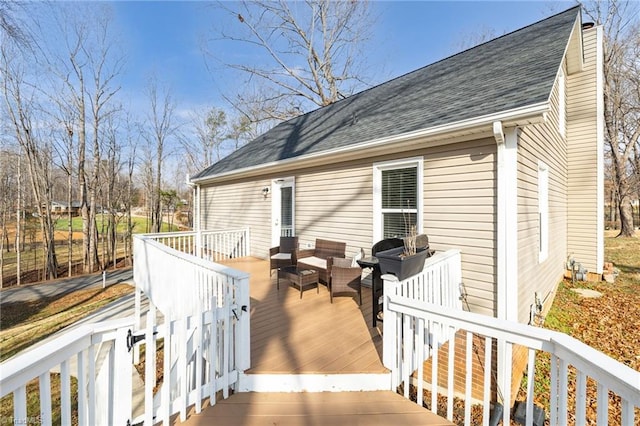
(376, 285)
(299, 277)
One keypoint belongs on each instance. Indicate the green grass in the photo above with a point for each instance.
(140, 224)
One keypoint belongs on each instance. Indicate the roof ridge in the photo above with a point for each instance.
(429, 65)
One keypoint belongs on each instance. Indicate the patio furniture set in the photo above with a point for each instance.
(327, 263)
(324, 263)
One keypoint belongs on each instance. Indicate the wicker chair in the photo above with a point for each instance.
(345, 278)
(284, 254)
(321, 257)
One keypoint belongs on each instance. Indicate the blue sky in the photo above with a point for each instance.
(164, 37)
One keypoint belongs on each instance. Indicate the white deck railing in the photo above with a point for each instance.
(574, 365)
(96, 355)
(204, 328)
(209, 245)
(439, 283)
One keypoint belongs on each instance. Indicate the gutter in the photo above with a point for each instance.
(530, 114)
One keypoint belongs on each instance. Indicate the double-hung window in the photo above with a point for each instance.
(397, 198)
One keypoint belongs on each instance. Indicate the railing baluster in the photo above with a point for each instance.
(407, 349)
(562, 394)
(20, 403)
(530, 387)
(91, 390)
(450, 367)
(150, 366)
(603, 404)
(45, 398)
(581, 398)
(554, 390)
(488, 349)
(434, 369)
(420, 347)
(627, 413)
(65, 393)
(82, 388)
(467, 386)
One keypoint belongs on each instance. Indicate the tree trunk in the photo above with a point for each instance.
(626, 219)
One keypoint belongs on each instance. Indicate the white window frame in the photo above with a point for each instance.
(418, 163)
(543, 211)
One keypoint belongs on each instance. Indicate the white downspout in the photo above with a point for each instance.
(507, 221)
(507, 247)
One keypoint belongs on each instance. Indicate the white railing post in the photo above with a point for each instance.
(122, 385)
(243, 340)
(389, 337)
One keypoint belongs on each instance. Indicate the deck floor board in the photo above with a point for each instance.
(311, 409)
(290, 334)
(293, 335)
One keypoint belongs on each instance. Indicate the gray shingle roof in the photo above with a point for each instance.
(512, 71)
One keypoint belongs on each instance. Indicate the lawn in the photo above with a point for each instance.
(32, 256)
(608, 323)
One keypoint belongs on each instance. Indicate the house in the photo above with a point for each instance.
(62, 208)
(496, 151)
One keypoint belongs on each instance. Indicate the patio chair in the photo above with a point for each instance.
(321, 257)
(284, 254)
(345, 278)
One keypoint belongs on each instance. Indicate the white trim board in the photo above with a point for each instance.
(314, 382)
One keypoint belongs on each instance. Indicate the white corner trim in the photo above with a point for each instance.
(600, 150)
(507, 222)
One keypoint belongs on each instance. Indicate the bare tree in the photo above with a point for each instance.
(64, 147)
(210, 128)
(8, 183)
(312, 49)
(12, 26)
(21, 109)
(161, 127)
(621, 24)
(88, 68)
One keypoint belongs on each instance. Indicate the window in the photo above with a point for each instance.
(397, 198)
(543, 211)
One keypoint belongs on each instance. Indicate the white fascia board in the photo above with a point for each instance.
(530, 114)
(575, 38)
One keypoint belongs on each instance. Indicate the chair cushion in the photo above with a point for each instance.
(314, 261)
(281, 256)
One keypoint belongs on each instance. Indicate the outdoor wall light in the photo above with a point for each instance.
(265, 191)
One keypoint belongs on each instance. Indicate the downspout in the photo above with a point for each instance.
(507, 222)
(507, 249)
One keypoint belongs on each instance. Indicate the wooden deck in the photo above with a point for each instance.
(315, 409)
(293, 335)
(309, 335)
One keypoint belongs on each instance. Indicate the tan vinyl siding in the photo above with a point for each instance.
(336, 202)
(542, 142)
(460, 212)
(239, 205)
(583, 191)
